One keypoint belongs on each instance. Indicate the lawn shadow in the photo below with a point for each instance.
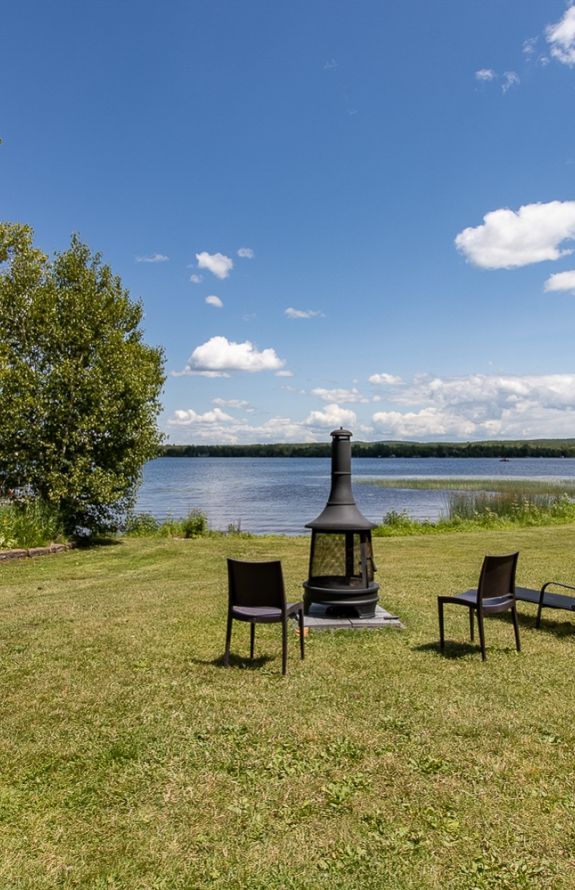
(453, 649)
(237, 661)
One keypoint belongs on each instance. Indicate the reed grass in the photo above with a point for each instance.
(515, 486)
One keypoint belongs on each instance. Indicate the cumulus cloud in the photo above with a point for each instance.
(481, 406)
(385, 379)
(561, 38)
(212, 300)
(218, 356)
(509, 239)
(290, 312)
(485, 74)
(185, 418)
(153, 258)
(332, 416)
(529, 46)
(561, 281)
(246, 252)
(196, 279)
(339, 395)
(218, 264)
(223, 428)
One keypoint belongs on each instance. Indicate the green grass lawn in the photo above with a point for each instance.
(130, 758)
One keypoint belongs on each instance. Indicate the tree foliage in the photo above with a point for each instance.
(79, 389)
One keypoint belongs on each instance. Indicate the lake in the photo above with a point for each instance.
(279, 495)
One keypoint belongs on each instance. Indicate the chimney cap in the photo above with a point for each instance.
(341, 433)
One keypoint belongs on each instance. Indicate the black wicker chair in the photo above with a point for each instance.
(256, 594)
(495, 593)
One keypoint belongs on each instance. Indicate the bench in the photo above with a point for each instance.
(546, 600)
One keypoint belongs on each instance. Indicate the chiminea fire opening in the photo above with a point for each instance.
(341, 566)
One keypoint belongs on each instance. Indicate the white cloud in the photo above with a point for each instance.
(239, 404)
(561, 38)
(561, 281)
(219, 355)
(221, 428)
(485, 74)
(284, 373)
(153, 258)
(218, 264)
(385, 379)
(185, 418)
(427, 422)
(332, 416)
(482, 406)
(330, 65)
(212, 300)
(510, 79)
(246, 252)
(303, 313)
(196, 279)
(508, 239)
(529, 47)
(339, 395)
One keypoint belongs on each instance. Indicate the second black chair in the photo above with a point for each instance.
(256, 594)
(495, 593)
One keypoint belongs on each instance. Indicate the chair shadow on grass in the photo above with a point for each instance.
(459, 649)
(237, 661)
(453, 648)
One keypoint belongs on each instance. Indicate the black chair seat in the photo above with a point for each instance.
(264, 614)
(256, 594)
(469, 598)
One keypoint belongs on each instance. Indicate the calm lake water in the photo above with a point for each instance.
(279, 495)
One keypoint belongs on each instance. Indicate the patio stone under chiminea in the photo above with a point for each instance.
(341, 566)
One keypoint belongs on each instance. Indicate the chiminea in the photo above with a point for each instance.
(341, 566)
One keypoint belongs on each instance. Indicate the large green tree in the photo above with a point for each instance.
(79, 389)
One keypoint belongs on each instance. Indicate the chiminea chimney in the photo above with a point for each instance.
(341, 566)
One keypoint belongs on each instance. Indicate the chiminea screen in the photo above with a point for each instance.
(338, 557)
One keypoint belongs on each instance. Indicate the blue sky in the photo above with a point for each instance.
(335, 213)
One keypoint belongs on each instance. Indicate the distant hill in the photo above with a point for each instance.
(505, 448)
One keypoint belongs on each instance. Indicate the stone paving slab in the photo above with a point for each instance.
(319, 619)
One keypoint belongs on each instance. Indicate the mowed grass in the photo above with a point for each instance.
(130, 758)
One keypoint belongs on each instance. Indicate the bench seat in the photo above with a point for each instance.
(545, 599)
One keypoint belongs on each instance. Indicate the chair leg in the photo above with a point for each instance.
(539, 609)
(301, 633)
(284, 644)
(481, 634)
(516, 629)
(471, 623)
(441, 624)
(252, 637)
(228, 640)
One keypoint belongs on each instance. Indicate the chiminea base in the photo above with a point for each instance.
(337, 599)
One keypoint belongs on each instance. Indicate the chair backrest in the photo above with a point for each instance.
(497, 576)
(256, 584)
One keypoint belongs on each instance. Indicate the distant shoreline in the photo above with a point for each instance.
(505, 449)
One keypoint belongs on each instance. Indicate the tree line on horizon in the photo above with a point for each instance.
(498, 449)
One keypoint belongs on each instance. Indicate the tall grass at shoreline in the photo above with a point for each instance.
(518, 487)
(476, 509)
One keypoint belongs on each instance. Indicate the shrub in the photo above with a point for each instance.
(29, 523)
(195, 525)
(142, 525)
